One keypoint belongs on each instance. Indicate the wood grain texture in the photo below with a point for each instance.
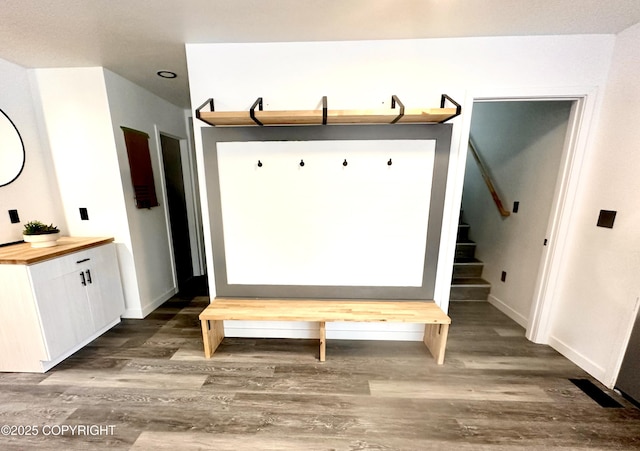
(341, 310)
(24, 254)
(435, 337)
(337, 310)
(314, 117)
(497, 391)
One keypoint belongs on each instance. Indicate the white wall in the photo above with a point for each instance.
(35, 193)
(290, 225)
(83, 109)
(521, 144)
(365, 74)
(78, 127)
(596, 301)
(133, 107)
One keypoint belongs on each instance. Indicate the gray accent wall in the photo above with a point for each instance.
(440, 133)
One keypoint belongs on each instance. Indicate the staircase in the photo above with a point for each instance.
(467, 283)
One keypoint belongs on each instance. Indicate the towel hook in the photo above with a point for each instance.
(301, 163)
(389, 163)
(259, 163)
(344, 163)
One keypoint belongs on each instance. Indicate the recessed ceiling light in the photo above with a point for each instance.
(166, 74)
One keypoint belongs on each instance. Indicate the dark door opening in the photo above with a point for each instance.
(174, 183)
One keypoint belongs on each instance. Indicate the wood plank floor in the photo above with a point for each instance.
(147, 384)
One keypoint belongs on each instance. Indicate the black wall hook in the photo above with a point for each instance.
(344, 163)
(389, 163)
(259, 163)
(301, 163)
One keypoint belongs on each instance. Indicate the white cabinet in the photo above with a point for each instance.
(69, 300)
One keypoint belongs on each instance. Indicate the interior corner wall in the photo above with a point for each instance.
(75, 115)
(521, 144)
(35, 192)
(364, 74)
(131, 106)
(600, 288)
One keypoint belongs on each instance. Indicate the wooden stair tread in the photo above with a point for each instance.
(469, 282)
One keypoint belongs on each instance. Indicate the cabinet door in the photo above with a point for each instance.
(104, 288)
(61, 298)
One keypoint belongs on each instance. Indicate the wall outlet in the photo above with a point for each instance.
(84, 215)
(503, 276)
(13, 216)
(516, 206)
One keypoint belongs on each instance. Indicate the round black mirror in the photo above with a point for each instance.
(12, 154)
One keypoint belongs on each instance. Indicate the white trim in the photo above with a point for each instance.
(193, 203)
(507, 310)
(583, 362)
(140, 313)
(163, 190)
(585, 98)
(551, 265)
(337, 330)
(204, 207)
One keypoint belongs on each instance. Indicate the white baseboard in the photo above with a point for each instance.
(507, 310)
(583, 362)
(140, 313)
(336, 331)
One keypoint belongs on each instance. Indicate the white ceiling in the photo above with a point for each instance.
(136, 38)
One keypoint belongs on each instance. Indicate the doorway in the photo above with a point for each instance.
(523, 144)
(177, 208)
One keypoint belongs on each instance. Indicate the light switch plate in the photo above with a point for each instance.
(13, 216)
(606, 218)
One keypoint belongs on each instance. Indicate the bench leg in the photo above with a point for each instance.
(323, 341)
(212, 336)
(435, 337)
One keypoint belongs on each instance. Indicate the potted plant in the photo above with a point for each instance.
(40, 234)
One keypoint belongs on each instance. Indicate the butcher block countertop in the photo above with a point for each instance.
(24, 254)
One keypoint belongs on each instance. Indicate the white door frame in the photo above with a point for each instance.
(585, 103)
(190, 199)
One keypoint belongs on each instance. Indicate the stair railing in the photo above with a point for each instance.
(487, 179)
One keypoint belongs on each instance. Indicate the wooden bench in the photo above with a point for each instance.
(322, 311)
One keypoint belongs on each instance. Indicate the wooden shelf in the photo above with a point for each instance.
(392, 115)
(314, 117)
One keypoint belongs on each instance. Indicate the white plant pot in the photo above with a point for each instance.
(44, 240)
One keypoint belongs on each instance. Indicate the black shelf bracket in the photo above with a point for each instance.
(208, 102)
(324, 110)
(443, 99)
(252, 111)
(394, 100)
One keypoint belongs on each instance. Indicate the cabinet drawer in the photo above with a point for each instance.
(76, 261)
